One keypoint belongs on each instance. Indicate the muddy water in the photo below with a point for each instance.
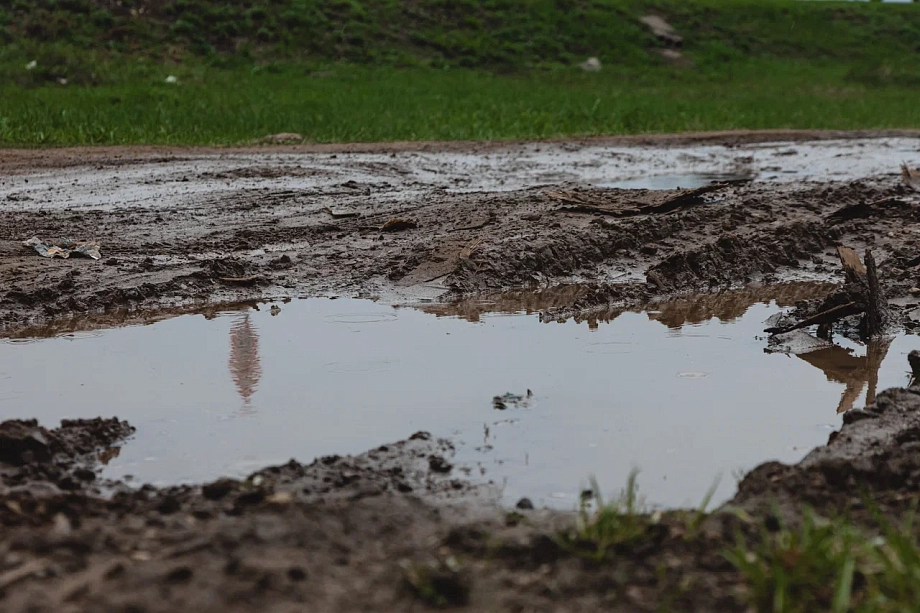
(684, 392)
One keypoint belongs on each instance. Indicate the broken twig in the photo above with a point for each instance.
(833, 314)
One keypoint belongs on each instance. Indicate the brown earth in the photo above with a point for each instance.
(395, 528)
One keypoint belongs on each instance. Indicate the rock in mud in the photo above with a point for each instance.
(524, 504)
(399, 224)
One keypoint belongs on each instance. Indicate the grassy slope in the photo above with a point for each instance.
(444, 69)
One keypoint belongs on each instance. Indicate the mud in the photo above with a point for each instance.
(395, 529)
(197, 227)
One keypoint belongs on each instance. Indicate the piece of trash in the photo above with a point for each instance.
(282, 138)
(671, 55)
(910, 177)
(500, 403)
(662, 30)
(592, 64)
(64, 248)
(31, 65)
(172, 79)
(398, 224)
(62, 81)
(341, 212)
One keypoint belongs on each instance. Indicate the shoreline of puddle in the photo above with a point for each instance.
(577, 424)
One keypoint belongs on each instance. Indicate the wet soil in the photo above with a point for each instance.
(395, 528)
(215, 227)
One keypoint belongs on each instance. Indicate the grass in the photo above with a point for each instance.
(382, 70)
(831, 565)
(603, 527)
(821, 565)
(359, 104)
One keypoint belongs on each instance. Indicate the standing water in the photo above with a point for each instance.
(683, 391)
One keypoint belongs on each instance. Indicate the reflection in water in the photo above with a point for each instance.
(726, 306)
(516, 301)
(90, 322)
(729, 306)
(855, 372)
(838, 364)
(245, 367)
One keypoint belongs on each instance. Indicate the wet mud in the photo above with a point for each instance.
(399, 527)
(203, 228)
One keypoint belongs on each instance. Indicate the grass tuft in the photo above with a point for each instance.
(830, 565)
(603, 527)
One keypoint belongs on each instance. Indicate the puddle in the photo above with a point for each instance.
(683, 391)
(687, 181)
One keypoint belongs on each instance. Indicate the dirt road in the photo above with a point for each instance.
(395, 529)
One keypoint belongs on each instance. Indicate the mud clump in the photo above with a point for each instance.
(23, 442)
(65, 457)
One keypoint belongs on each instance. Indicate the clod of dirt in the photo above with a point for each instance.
(23, 442)
(228, 268)
(439, 465)
(283, 261)
(913, 358)
(219, 488)
(399, 224)
(524, 504)
(501, 403)
(440, 584)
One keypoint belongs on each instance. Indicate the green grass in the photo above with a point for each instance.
(379, 70)
(211, 106)
(603, 527)
(831, 565)
(822, 564)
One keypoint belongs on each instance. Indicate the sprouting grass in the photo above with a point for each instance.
(831, 565)
(810, 569)
(216, 106)
(604, 526)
